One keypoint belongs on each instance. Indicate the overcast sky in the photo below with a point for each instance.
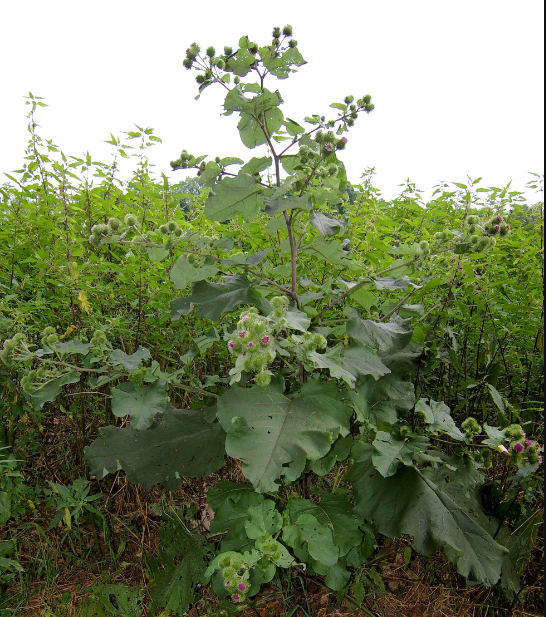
(458, 86)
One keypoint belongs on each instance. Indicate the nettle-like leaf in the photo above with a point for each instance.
(438, 417)
(392, 450)
(230, 197)
(177, 569)
(212, 299)
(183, 272)
(274, 435)
(141, 403)
(132, 362)
(410, 503)
(182, 444)
(382, 400)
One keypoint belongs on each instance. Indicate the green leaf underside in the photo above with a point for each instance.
(182, 444)
(409, 503)
(274, 436)
(212, 299)
(50, 391)
(183, 272)
(132, 362)
(141, 403)
(438, 417)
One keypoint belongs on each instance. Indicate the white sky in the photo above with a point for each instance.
(458, 85)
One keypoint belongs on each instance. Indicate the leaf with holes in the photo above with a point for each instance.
(274, 435)
(182, 444)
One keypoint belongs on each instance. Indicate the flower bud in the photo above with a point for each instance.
(163, 229)
(211, 51)
(228, 51)
(424, 245)
(471, 220)
(187, 63)
(276, 32)
(114, 224)
(172, 225)
(287, 30)
(349, 99)
(263, 379)
(130, 220)
(200, 78)
(405, 432)
(367, 99)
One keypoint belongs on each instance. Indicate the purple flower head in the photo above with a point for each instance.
(499, 218)
(241, 586)
(540, 460)
(507, 226)
(329, 147)
(344, 140)
(242, 333)
(244, 318)
(251, 344)
(537, 446)
(231, 345)
(265, 340)
(228, 583)
(522, 432)
(236, 597)
(497, 227)
(518, 448)
(528, 442)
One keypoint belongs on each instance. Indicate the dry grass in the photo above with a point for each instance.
(427, 587)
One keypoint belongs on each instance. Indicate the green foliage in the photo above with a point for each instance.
(292, 381)
(177, 569)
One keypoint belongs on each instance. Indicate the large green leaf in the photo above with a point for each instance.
(233, 196)
(392, 450)
(231, 513)
(386, 338)
(274, 435)
(306, 533)
(325, 225)
(141, 403)
(132, 362)
(264, 518)
(336, 511)
(350, 363)
(410, 503)
(183, 272)
(382, 400)
(177, 569)
(279, 65)
(212, 299)
(51, 390)
(438, 417)
(182, 444)
(250, 129)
